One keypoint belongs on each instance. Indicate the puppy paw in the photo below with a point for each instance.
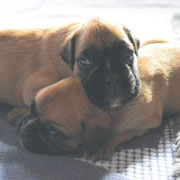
(16, 114)
(105, 153)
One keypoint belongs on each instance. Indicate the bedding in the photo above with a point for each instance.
(17, 163)
(148, 157)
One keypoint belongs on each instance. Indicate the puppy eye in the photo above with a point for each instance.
(54, 133)
(128, 53)
(84, 62)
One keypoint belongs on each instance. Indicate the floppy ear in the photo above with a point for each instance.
(68, 50)
(134, 40)
(33, 108)
(26, 124)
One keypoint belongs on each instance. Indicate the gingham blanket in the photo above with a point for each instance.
(150, 157)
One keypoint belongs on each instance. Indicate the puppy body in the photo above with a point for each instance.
(29, 61)
(159, 67)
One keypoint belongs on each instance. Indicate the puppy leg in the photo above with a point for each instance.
(16, 114)
(139, 128)
(107, 151)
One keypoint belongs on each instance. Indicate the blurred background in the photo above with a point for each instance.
(146, 18)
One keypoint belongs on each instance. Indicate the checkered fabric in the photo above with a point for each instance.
(144, 163)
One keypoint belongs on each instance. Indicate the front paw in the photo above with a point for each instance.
(104, 153)
(16, 114)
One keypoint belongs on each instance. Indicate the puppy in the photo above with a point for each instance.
(102, 54)
(159, 67)
(62, 121)
(29, 61)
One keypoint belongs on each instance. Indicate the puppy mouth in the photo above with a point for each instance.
(30, 142)
(112, 95)
(116, 98)
(35, 145)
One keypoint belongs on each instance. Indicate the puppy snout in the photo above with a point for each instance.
(112, 80)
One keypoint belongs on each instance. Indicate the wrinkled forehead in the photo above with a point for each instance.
(62, 117)
(100, 37)
(67, 109)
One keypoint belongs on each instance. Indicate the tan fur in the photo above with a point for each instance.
(62, 101)
(159, 67)
(29, 61)
(152, 41)
(31, 68)
(93, 34)
(64, 105)
(97, 32)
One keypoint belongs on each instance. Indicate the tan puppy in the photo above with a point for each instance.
(61, 119)
(102, 54)
(29, 61)
(159, 67)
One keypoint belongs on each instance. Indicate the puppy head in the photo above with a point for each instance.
(105, 58)
(61, 119)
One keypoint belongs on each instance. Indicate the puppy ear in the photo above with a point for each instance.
(33, 108)
(134, 40)
(68, 50)
(27, 123)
